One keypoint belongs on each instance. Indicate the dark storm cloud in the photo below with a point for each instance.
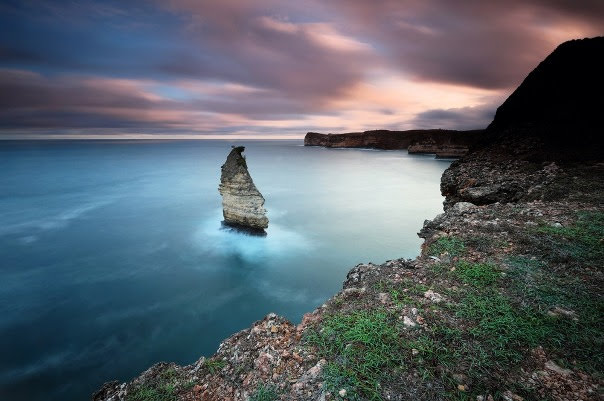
(486, 44)
(463, 118)
(30, 100)
(93, 64)
(241, 42)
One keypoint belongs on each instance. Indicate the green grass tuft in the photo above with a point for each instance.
(214, 365)
(477, 274)
(265, 393)
(163, 389)
(583, 240)
(452, 245)
(361, 346)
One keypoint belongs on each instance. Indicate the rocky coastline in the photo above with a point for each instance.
(503, 303)
(442, 143)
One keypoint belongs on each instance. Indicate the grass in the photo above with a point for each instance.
(452, 245)
(214, 365)
(360, 346)
(497, 318)
(265, 393)
(508, 331)
(583, 240)
(481, 243)
(581, 338)
(476, 274)
(400, 298)
(162, 389)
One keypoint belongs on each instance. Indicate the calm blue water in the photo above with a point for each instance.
(112, 255)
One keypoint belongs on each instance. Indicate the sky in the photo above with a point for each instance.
(269, 68)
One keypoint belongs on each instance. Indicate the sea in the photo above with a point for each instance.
(113, 255)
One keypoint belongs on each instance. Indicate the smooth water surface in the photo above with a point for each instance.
(112, 254)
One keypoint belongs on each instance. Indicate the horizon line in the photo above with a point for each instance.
(120, 137)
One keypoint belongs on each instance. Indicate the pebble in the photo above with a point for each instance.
(408, 322)
(433, 296)
(342, 392)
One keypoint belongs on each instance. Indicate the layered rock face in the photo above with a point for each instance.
(242, 203)
(443, 143)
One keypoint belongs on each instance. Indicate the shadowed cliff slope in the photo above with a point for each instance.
(555, 115)
(561, 103)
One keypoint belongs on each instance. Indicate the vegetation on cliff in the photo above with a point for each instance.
(504, 302)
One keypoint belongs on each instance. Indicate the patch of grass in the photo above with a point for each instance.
(360, 346)
(582, 241)
(400, 298)
(163, 389)
(481, 243)
(507, 330)
(188, 385)
(265, 393)
(533, 283)
(336, 378)
(452, 245)
(440, 268)
(580, 338)
(214, 365)
(476, 274)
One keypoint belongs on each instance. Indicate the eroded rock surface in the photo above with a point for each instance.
(242, 203)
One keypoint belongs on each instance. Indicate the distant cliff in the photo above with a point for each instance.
(444, 143)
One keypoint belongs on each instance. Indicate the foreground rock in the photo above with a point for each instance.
(443, 143)
(242, 203)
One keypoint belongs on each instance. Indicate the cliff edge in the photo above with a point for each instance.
(504, 302)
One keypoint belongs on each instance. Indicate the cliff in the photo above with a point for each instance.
(556, 114)
(242, 203)
(504, 302)
(560, 102)
(444, 143)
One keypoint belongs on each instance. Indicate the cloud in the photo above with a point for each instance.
(490, 45)
(236, 42)
(463, 118)
(271, 66)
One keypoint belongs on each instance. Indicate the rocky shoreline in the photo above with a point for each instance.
(442, 143)
(504, 302)
(516, 257)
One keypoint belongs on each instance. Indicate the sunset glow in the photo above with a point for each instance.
(276, 69)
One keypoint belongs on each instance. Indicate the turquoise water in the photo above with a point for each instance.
(112, 255)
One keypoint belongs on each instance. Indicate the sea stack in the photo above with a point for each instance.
(242, 203)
